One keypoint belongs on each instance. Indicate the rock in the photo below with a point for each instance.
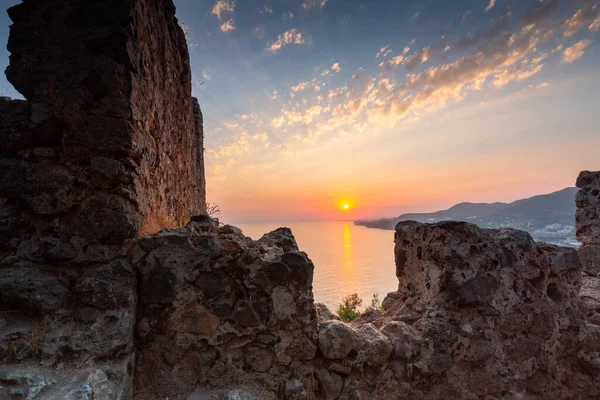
(339, 369)
(31, 288)
(338, 339)
(281, 238)
(258, 359)
(405, 340)
(588, 207)
(294, 390)
(239, 394)
(377, 347)
(331, 384)
(198, 394)
(324, 314)
(248, 313)
(193, 318)
(589, 254)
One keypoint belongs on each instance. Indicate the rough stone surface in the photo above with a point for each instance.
(589, 254)
(219, 307)
(109, 142)
(495, 312)
(108, 146)
(588, 221)
(588, 207)
(338, 339)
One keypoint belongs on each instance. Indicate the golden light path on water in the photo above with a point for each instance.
(347, 258)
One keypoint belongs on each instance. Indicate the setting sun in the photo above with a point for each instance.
(346, 206)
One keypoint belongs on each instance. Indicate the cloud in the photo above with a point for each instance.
(314, 4)
(391, 64)
(301, 86)
(540, 11)
(337, 93)
(278, 122)
(502, 58)
(289, 37)
(415, 16)
(412, 62)
(490, 6)
(266, 10)
(336, 67)
(523, 70)
(206, 75)
(499, 27)
(575, 51)
(382, 51)
(227, 26)
(459, 20)
(587, 15)
(223, 6)
(595, 26)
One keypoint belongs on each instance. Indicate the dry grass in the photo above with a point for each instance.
(34, 339)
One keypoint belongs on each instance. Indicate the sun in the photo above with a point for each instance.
(346, 206)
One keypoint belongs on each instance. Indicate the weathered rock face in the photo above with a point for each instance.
(107, 146)
(109, 143)
(588, 233)
(588, 220)
(494, 313)
(218, 308)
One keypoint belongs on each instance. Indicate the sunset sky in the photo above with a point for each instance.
(389, 106)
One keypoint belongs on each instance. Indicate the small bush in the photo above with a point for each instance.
(348, 310)
(375, 303)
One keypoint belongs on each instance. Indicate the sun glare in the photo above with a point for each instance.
(346, 206)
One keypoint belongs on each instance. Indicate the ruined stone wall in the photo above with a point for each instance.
(588, 221)
(217, 309)
(107, 146)
(113, 146)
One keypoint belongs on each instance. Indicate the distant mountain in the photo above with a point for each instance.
(547, 217)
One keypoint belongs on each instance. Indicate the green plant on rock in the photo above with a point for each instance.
(348, 310)
(375, 304)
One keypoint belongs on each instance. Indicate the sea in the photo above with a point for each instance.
(348, 258)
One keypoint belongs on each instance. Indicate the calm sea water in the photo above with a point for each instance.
(347, 258)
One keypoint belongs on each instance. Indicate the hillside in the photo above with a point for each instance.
(547, 217)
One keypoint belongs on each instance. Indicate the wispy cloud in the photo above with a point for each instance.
(289, 37)
(266, 10)
(336, 67)
(227, 26)
(575, 51)
(587, 15)
(490, 5)
(222, 6)
(459, 20)
(383, 51)
(314, 4)
(540, 11)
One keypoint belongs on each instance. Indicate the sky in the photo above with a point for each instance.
(388, 106)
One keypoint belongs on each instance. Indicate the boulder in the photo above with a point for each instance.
(337, 340)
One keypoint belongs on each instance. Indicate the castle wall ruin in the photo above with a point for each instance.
(97, 303)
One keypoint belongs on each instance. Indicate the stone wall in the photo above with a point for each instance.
(107, 146)
(588, 220)
(109, 124)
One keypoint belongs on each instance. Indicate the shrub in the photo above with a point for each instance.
(375, 303)
(348, 310)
